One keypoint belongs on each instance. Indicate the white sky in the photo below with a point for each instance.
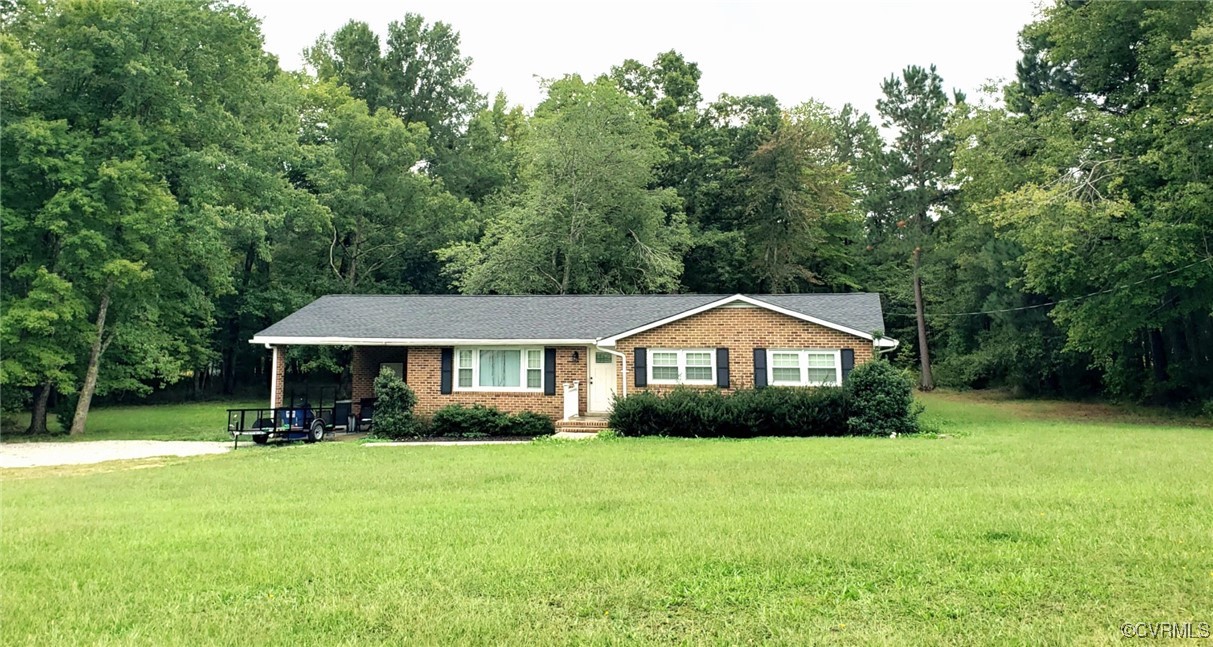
(835, 52)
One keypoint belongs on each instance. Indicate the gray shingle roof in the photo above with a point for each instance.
(571, 317)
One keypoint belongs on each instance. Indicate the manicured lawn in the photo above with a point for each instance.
(1023, 526)
(193, 421)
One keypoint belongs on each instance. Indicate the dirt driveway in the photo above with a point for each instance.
(99, 451)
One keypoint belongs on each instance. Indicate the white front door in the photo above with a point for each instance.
(602, 381)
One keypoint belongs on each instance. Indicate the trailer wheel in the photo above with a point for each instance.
(315, 433)
(261, 439)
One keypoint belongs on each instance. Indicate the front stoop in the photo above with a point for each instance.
(582, 425)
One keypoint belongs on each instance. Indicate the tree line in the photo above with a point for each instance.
(167, 189)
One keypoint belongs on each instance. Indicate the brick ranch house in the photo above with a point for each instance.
(569, 356)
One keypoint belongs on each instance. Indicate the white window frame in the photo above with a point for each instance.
(522, 388)
(682, 365)
(804, 353)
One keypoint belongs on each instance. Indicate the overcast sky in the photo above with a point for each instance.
(836, 52)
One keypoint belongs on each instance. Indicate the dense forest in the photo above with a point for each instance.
(167, 190)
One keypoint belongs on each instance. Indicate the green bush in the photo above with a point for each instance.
(881, 401)
(639, 414)
(529, 423)
(795, 411)
(394, 402)
(9, 424)
(475, 421)
(478, 421)
(701, 413)
(12, 405)
(65, 412)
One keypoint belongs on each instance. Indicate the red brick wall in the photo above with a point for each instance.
(423, 374)
(741, 330)
(278, 381)
(365, 367)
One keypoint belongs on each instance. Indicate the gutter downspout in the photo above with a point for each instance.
(623, 358)
(889, 349)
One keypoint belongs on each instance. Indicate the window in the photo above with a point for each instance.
(397, 368)
(699, 367)
(465, 368)
(785, 367)
(665, 366)
(534, 368)
(823, 368)
(499, 369)
(804, 367)
(682, 366)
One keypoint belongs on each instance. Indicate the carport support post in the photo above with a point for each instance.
(277, 375)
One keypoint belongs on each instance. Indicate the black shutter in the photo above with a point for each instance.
(444, 380)
(760, 367)
(549, 371)
(722, 368)
(848, 362)
(641, 366)
(404, 366)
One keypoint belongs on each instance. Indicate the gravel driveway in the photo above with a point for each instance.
(98, 451)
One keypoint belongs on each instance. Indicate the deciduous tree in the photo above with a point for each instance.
(587, 219)
(418, 74)
(799, 218)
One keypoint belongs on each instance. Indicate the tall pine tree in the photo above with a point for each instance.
(918, 168)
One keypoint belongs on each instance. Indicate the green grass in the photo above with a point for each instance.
(1030, 523)
(192, 421)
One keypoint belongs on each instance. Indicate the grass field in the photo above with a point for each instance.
(1031, 522)
(193, 421)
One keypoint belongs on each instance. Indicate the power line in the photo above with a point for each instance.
(1053, 303)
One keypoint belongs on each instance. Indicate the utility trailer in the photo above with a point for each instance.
(299, 421)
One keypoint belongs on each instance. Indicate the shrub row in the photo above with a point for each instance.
(394, 416)
(876, 400)
(478, 421)
(744, 414)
